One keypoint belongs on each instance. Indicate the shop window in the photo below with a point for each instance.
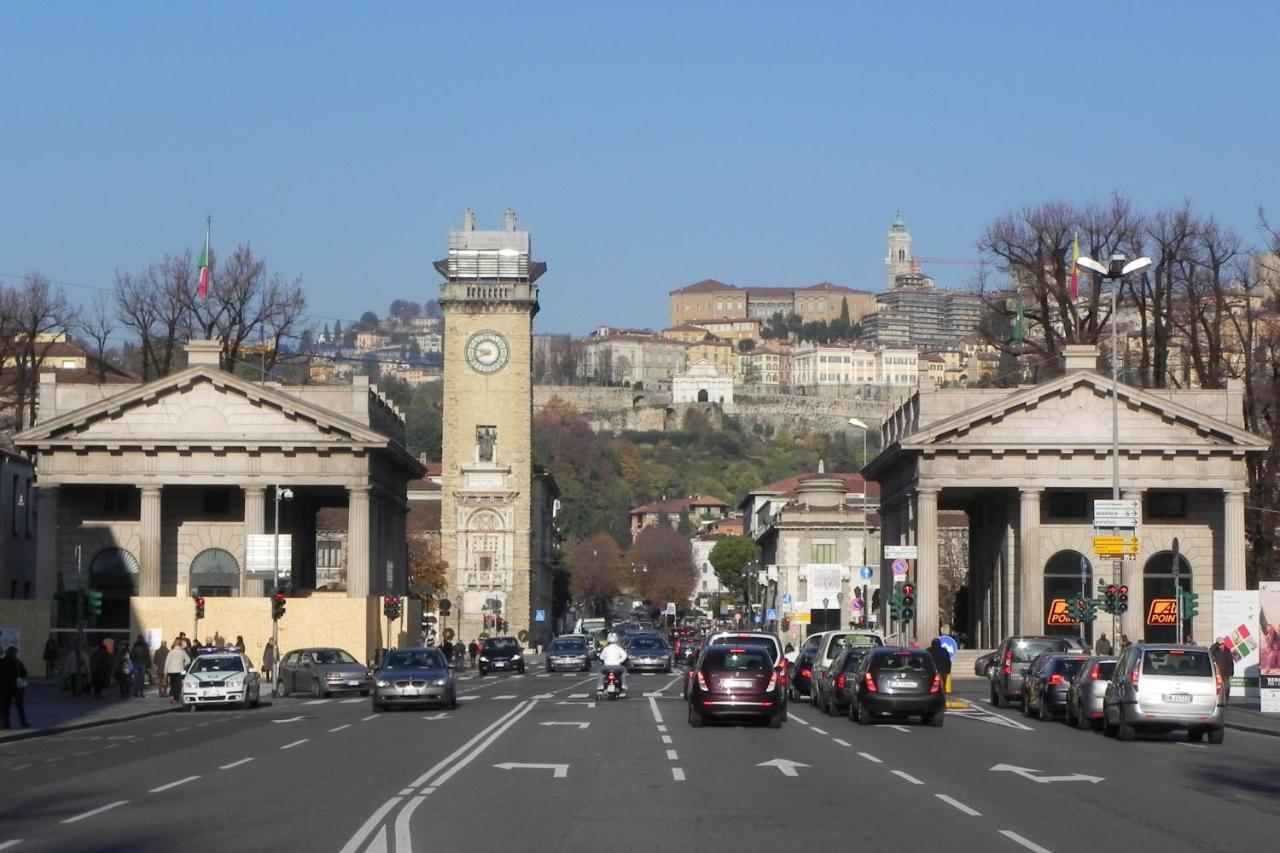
(1166, 505)
(1068, 505)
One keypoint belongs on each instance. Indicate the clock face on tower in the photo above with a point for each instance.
(487, 352)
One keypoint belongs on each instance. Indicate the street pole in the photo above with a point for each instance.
(78, 646)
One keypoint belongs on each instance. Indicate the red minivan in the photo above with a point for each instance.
(735, 681)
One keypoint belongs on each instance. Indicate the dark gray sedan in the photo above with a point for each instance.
(648, 653)
(418, 676)
(569, 653)
(322, 672)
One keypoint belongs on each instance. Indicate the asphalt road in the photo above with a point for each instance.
(535, 764)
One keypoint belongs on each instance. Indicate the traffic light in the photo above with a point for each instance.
(445, 606)
(786, 623)
(199, 607)
(93, 602)
(391, 606)
(908, 602)
(1075, 606)
(1090, 609)
(1188, 604)
(1110, 598)
(895, 602)
(1122, 599)
(277, 606)
(66, 605)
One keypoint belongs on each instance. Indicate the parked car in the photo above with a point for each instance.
(982, 666)
(570, 652)
(1013, 657)
(1047, 681)
(897, 682)
(831, 685)
(648, 653)
(1164, 688)
(413, 677)
(501, 654)
(735, 681)
(1086, 690)
(322, 672)
(799, 684)
(221, 678)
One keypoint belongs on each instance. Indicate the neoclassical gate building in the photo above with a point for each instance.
(1027, 464)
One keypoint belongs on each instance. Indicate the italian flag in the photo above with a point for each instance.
(203, 264)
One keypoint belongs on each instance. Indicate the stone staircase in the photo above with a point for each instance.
(962, 663)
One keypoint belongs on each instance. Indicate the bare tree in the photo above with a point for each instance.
(98, 325)
(33, 317)
(153, 304)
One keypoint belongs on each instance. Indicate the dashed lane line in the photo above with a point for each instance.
(1025, 842)
(870, 758)
(5, 845)
(841, 742)
(352, 701)
(316, 702)
(913, 780)
(817, 730)
(801, 720)
(235, 764)
(368, 718)
(173, 784)
(99, 810)
(677, 774)
(954, 803)
(902, 729)
(666, 739)
(671, 755)
(340, 728)
(295, 743)
(503, 696)
(657, 715)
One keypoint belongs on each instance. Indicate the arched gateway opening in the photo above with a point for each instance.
(1066, 574)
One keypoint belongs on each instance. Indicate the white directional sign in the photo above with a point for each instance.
(1028, 773)
(1115, 514)
(289, 720)
(900, 552)
(440, 716)
(560, 723)
(559, 770)
(786, 765)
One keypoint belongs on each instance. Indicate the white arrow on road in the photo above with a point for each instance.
(440, 716)
(289, 720)
(1028, 773)
(561, 770)
(560, 723)
(786, 765)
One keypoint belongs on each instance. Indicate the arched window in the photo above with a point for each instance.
(702, 395)
(215, 572)
(902, 254)
(1162, 576)
(1066, 574)
(114, 570)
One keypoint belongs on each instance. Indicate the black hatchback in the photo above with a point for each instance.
(897, 682)
(501, 654)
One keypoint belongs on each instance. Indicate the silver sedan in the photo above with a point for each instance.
(417, 676)
(1086, 690)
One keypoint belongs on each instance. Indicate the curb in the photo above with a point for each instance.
(1257, 730)
(90, 724)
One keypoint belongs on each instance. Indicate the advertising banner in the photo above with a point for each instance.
(1235, 621)
(824, 582)
(1269, 645)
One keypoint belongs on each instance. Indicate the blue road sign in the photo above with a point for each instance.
(757, 619)
(786, 598)
(539, 616)
(865, 573)
(772, 614)
(950, 645)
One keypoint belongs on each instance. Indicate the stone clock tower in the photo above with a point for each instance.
(489, 299)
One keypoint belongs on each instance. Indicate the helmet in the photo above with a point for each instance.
(613, 638)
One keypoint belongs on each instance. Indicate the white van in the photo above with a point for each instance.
(831, 643)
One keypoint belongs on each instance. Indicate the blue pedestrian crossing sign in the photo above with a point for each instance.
(771, 614)
(539, 616)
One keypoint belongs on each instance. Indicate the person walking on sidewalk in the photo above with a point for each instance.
(122, 670)
(100, 668)
(269, 660)
(1102, 646)
(162, 680)
(238, 645)
(472, 651)
(140, 660)
(1226, 666)
(50, 656)
(13, 688)
(175, 666)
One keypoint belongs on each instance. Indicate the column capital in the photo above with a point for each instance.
(1235, 494)
(1029, 492)
(152, 491)
(927, 490)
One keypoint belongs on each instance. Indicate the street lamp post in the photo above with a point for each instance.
(857, 424)
(1115, 270)
(280, 495)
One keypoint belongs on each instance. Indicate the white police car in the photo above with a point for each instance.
(220, 678)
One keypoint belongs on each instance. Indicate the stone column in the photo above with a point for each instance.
(149, 558)
(47, 567)
(1009, 555)
(1030, 572)
(1233, 539)
(358, 542)
(255, 508)
(926, 565)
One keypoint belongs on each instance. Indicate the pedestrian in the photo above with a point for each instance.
(1226, 666)
(101, 666)
(182, 636)
(13, 688)
(1102, 646)
(941, 660)
(447, 648)
(50, 656)
(472, 651)
(1189, 641)
(175, 666)
(269, 660)
(790, 653)
(162, 682)
(1125, 642)
(140, 659)
(239, 644)
(122, 671)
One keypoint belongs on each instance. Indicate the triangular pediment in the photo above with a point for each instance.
(1075, 411)
(201, 406)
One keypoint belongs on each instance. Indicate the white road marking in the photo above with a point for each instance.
(112, 746)
(78, 754)
(98, 810)
(543, 675)
(425, 778)
(959, 805)
(671, 755)
(1030, 845)
(201, 725)
(800, 720)
(653, 706)
(173, 784)
(406, 792)
(662, 728)
(903, 729)
(870, 758)
(340, 728)
(21, 766)
(677, 774)
(1180, 743)
(363, 832)
(368, 718)
(235, 764)
(504, 696)
(841, 742)
(5, 845)
(666, 738)
(818, 730)
(404, 841)
(913, 780)
(316, 702)
(467, 698)
(579, 695)
(295, 743)
(353, 701)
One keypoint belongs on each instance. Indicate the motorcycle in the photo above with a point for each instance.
(612, 686)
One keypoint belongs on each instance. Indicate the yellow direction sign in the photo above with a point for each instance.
(1115, 546)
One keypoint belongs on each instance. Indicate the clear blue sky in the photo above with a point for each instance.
(646, 146)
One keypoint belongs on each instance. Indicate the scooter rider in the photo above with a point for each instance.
(612, 657)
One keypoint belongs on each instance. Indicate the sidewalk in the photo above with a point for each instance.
(51, 710)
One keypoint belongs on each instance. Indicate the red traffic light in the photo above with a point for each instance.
(199, 602)
(908, 589)
(1111, 589)
(1124, 590)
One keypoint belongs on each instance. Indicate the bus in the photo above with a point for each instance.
(597, 628)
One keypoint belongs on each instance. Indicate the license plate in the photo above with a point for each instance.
(499, 664)
(1181, 698)
(207, 693)
(353, 683)
(738, 683)
(906, 684)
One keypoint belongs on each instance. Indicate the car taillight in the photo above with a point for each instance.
(1096, 672)
(840, 681)
(937, 683)
(1008, 662)
(1055, 679)
(1217, 679)
(702, 682)
(1134, 677)
(870, 682)
(773, 682)
(806, 673)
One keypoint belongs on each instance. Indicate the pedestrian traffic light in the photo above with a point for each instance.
(1188, 604)
(1122, 599)
(908, 602)
(93, 602)
(199, 607)
(1110, 599)
(277, 606)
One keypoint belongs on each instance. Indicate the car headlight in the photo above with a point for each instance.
(439, 682)
(483, 659)
(335, 676)
(382, 682)
(235, 681)
(190, 681)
